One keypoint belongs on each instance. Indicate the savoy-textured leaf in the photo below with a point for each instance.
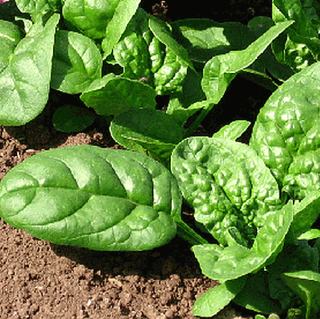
(227, 184)
(286, 134)
(86, 196)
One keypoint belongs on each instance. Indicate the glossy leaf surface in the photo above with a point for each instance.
(286, 134)
(25, 81)
(90, 197)
(76, 62)
(227, 184)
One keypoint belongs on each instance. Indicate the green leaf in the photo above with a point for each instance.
(124, 11)
(10, 35)
(221, 70)
(38, 6)
(112, 95)
(228, 263)
(205, 38)
(286, 134)
(147, 130)
(71, 118)
(163, 33)
(307, 285)
(310, 234)
(300, 45)
(25, 82)
(233, 130)
(101, 199)
(227, 184)
(100, 19)
(305, 213)
(76, 62)
(255, 295)
(144, 57)
(294, 257)
(216, 298)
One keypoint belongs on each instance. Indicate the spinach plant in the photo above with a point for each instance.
(258, 201)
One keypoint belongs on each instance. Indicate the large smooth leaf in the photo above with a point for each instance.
(286, 134)
(222, 69)
(91, 197)
(76, 62)
(227, 184)
(112, 95)
(25, 82)
(228, 263)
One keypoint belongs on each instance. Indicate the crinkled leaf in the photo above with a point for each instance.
(71, 118)
(144, 57)
(112, 95)
(286, 134)
(233, 130)
(205, 38)
(216, 298)
(221, 70)
(38, 6)
(227, 184)
(147, 130)
(307, 285)
(76, 62)
(227, 263)
(25, 82)
(91, 197)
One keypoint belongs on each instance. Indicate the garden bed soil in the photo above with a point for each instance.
(40, 280)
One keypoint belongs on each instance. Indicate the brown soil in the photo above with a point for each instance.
(43, 281)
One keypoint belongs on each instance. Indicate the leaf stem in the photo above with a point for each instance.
(185, 232)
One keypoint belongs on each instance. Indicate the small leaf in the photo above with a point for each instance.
(112, 95)
(70, 118)
(76, 62)
(307, 285)
(215, 299)
(233, 130)
(101, 199)
(310, 234)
